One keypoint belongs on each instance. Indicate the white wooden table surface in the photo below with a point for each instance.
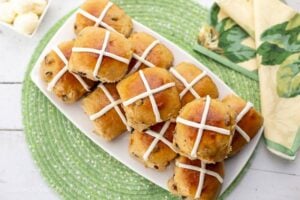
(269, 177)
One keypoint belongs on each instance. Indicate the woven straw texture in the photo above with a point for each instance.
(73, 165)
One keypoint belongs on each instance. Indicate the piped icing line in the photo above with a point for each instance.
(243, 133)
(100, 58)
(142, 59)
(105, 53)
(240, 116)
(146, 94)
(99, 20)
(101, 54)
(58, 76)
(203, 171)
(200, 130)
(158, 137)
(61, 55)
(245, 110)
(114, 104)
(149, 93)
(201, 127)
(188, 86)
(82, 82)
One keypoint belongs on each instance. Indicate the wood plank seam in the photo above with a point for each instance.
(11, 83)
(274, 172)
(10, 130)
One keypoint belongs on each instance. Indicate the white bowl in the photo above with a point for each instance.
(41, 17)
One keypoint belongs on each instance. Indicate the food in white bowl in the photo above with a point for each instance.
(22, 15)
(7, 13)
(25, 6)
(26, 23)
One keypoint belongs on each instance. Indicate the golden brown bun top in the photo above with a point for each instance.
(97, 100)
(115, 17)
(238, 104)
(67, 88)
(190, 177)
(160, 55)
(186, 181)
(203, 87)
(110, 124)
(213, 146)
(250, 123)
(168, 134)
(219, 115)
(235, 102)
(148, 139)
(93, 37)
(111, 69)
(66, 49)
(161, 154)
(141, 113)
(133, 84)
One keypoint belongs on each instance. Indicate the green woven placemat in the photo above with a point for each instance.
(72, 164)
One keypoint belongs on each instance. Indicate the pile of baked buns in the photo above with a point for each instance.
(127, 83)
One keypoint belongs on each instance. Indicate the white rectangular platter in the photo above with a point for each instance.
(118, 148)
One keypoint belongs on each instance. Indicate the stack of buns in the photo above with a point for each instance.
(127, 84)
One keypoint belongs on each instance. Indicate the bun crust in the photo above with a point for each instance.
(111, 70)
(161, 155)
(115, 17)
(205, 86)
(67, 88)
(250, 123)
(140, 114)
(213, 146)
(185, 181)
(109, 125)
(159, 56)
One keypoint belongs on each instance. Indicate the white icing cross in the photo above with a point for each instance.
(188, 86)
(149, 93)
(201, 127)
(114, 104)
(203, 171)
(245, 110)
(142, 59)
(58, 76)
(99, 20)
(101, 53)
(158, 137)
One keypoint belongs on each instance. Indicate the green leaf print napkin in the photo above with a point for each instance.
(277, 35)
(230, 40)
(263, 35)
